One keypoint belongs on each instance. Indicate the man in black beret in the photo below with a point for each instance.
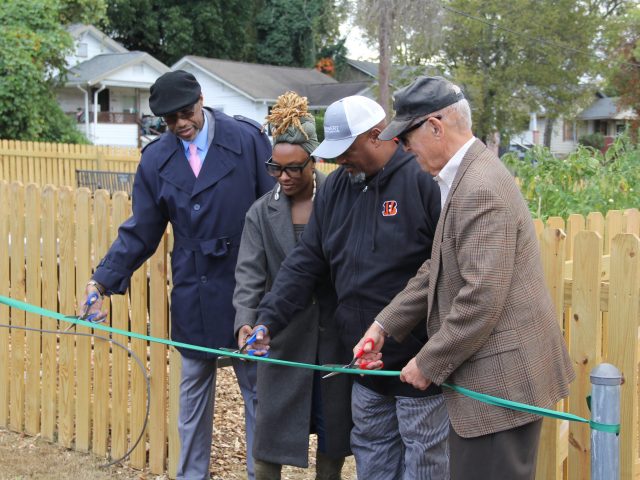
(492, 325)
(202, 175)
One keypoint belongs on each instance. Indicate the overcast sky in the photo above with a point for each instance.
(357, 48)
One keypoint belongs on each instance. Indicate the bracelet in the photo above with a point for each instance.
(97, 286)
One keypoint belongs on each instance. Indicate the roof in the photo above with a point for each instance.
(606, 108)
(77, 29)
(321, 96)
(260, 82)
(400, 71)
(370, 68)
(99, 67)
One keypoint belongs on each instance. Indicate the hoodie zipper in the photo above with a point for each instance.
(359, 242)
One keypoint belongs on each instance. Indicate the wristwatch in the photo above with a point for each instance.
(97, 286)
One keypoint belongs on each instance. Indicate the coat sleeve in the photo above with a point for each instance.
(264, 182)
(251, 271)
(408, 307)
(484, 246)
(296, 280)
(138, 237)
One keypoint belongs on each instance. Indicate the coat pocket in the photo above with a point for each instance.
(498, 342)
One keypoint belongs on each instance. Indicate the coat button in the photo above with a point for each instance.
(203, 279)
(196, 207)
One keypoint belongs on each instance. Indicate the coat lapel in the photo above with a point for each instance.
(472, 152)
(280, 222)
(222, 155)
(176, 169)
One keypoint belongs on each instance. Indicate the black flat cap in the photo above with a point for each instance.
(424, 96)
(173, 92)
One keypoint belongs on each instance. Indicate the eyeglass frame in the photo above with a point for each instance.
(184, 114)
(288, 168)
(403, 135)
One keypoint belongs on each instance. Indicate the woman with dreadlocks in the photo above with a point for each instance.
(292, 402)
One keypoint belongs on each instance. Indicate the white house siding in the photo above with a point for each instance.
(125, 135)
(559, 146)
(143, 74)
(94, 47)
(230, 101)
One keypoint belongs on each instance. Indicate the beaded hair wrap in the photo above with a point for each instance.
(291, 122)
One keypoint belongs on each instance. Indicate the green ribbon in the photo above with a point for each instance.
(482, 397)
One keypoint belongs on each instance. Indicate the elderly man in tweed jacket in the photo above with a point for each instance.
(490, 319)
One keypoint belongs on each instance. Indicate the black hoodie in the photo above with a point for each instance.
(371, 238)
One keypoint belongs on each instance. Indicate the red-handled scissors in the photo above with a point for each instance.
(352, 364)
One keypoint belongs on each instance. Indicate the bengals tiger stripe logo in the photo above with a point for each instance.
(389, 208)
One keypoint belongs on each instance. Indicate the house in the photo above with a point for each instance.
(603, 116)
(250, 89)
(365, 71)
(107, 88)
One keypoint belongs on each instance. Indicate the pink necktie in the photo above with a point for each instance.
(194, 159)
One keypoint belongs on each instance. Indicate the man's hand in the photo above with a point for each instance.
(261, 345)
(411, 374)
(95, 308)
(371, 357)
(243, 334)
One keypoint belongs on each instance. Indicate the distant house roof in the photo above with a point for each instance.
(371, 69)
(321, 96)
(606, 108)
(265, 83)
(77, 29)
(98, 68)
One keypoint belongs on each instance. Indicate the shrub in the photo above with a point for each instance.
(585, 181)
(593, 140)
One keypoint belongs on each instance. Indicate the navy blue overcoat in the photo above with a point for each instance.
(207, 216)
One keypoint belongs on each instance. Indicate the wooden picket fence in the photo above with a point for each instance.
(56, 163)
(83, 394)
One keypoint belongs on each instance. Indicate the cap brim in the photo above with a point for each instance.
(333, 148)
(395, 128)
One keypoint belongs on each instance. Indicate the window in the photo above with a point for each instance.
(568, 131)
(82, 50)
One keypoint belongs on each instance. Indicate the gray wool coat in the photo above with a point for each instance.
(283, 415)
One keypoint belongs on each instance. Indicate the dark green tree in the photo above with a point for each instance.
(291, 32)
(169, 30)
(33, 44)
(280, 32)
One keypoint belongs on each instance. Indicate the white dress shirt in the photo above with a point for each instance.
(448, 173)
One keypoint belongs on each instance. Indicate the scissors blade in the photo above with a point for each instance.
(331, 374)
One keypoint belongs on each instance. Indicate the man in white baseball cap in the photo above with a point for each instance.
(371, 222)
(344, 120)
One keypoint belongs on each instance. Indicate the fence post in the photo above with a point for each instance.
(605, 408)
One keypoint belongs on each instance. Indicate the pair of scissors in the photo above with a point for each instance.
(89, 317)
(352, 364)
(251, 340)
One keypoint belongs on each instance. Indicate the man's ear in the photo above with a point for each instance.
(374, 133)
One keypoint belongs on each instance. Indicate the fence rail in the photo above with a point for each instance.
(56, 163)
